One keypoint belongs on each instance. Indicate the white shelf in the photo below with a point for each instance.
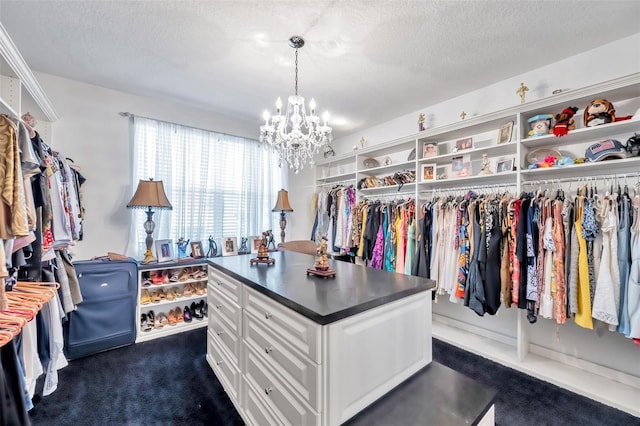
(180, 300)
(389, 190)
(342, 177)
(587, 170)
(585, 134)
(173, 284)
(506, 178)
(491, 151)
(168, 330)
(387, 170)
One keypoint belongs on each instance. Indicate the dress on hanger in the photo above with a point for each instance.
(583, 314)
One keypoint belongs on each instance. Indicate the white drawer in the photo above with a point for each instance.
(256, 412)
(302, 333)
(227, 373)
(229, 312)
(302, 374)
(227, 285)
(287, 405)
(225, 335)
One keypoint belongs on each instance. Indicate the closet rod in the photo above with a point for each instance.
(467, 188)
(337, 182)
(387, 196)
(584, 179)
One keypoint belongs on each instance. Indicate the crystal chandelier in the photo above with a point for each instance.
(294, 135)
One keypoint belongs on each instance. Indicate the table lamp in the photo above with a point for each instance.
(149, 193)
(282, 206)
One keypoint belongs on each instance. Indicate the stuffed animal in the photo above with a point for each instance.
(540, 124)
(599, 111)
(564, 121)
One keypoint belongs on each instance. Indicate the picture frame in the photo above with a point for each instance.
(461, 166)
(197, 252)
(464, 144)
(428, 172)
(505, 133)
(429, 149)
(254, 243)
(229, 246)
(504, 165)
(164, 250)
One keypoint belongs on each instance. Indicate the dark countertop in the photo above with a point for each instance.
(355, 288)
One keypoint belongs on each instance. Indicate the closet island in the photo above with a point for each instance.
(295, 349)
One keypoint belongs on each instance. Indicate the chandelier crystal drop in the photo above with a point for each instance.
(293, 134)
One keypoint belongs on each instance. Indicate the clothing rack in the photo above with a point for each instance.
(467, 188)
(346, 182)
(387, 196)
(585, 179)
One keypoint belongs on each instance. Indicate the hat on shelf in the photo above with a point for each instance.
(610, 148)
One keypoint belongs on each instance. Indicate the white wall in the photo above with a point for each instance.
(91, 132)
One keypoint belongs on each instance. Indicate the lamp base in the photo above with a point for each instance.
(148, 257)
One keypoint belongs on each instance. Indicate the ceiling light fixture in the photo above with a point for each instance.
(295, 136)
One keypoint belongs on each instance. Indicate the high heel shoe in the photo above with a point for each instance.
(162, 320)
(179, 315)
(172, 320)
(196, 312)
(144, 323)
(204, 308)
(187, 314)
(145, 297)
(151, 319)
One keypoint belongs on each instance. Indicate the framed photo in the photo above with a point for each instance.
(466, 143)
(164, 250)
(504, 135)
(254, 243)
(428, 172)
(429, 149)
(461, 166)
(196, 250)
(229, 246)
(504, 165)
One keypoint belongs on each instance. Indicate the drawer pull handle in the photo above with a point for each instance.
(267, 315)
(218, 282)
(219, 333)
(218, 306)
(268, 350)
(268, 390)
(218, 362)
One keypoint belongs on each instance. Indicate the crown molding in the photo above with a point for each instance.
(16, 62)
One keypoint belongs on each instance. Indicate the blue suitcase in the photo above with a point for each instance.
(106, 317)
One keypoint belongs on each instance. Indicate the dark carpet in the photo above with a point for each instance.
(168, 381)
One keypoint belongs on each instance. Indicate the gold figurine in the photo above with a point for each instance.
(521, 92)
(463, 115)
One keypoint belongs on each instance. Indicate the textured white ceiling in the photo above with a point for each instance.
(365, 61)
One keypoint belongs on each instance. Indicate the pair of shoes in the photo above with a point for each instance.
(145, 297)
(197, 309)
(187, 314)
(144, 323)
(151, 319)
(199, 274)
(187, 290)
(185, 274)
(175, 275)
(200, 289)
(162, 320)
(175, 316)
(173, 293)
(156, 277)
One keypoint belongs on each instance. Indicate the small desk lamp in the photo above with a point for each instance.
(149, 193)
(282, 206)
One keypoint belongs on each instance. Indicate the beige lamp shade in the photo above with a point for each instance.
(282, 204)
(150, 193)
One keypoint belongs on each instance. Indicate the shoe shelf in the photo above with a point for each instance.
(165, 277)
(179, 300)
(168, 330)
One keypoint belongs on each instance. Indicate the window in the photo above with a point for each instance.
(218, 184)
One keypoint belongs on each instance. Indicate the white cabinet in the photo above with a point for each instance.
(168, 295)
(291, 370)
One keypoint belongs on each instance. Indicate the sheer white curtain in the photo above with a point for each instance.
(218, 184)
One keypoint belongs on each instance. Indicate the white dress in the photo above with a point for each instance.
(605, 307)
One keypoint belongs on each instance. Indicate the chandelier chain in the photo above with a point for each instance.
(296, 71)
